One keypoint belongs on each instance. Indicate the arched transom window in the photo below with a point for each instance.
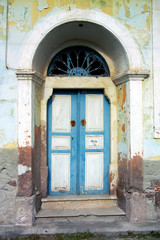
(78, 61)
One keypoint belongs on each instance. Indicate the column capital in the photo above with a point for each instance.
(29, 74)
(130, 76)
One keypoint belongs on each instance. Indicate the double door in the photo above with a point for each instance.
(78, 142)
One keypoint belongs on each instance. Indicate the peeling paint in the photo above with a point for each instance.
(24, 16)
(123, 127)
(23, 169)
(122, 96)
(10, 145)
(151, 149)
(42, 4)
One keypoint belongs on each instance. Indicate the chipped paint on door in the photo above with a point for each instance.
(78, 154)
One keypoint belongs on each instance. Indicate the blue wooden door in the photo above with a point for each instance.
(78, 143)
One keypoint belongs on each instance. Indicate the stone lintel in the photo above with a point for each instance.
(30, 74)
(130, 76)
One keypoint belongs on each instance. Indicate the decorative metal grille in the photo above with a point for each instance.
(78, 61)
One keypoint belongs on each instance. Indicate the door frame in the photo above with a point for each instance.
(71, 83)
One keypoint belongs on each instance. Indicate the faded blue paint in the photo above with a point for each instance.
(123, 149)
(8, 107)
(15, 48)
(138, 22)
(151, 148)
(72, 151)
(133, 14)
(77, 136)
(106, 150)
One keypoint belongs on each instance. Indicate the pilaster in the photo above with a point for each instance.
(133, 164)
(26, 137)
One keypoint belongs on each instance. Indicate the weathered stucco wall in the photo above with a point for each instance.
(8, 130)
(16, 21)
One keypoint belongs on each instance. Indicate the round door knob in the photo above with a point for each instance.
(73, 123)
(83, 122)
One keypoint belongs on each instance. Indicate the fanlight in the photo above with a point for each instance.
(78, 61)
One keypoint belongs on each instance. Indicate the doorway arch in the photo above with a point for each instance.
(125, 63)
(68, 29)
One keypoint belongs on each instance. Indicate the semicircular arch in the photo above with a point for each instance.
(89, 26)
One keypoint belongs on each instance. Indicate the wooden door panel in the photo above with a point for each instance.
(94, 171)
(61, 143)
(61, 113)
(94, 142)
(60, 168)
(94, 113)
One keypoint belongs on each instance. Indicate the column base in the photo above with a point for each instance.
(136, 207)
(25, 211)
(134, 204)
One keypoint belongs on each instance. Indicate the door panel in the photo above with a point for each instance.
(94, 171)
(60, 166)
(94, 113)
(61, 116)
(78, 143)
(94, 142)
(61, 142)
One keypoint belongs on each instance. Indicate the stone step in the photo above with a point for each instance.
(107, 212)
(76, 202)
